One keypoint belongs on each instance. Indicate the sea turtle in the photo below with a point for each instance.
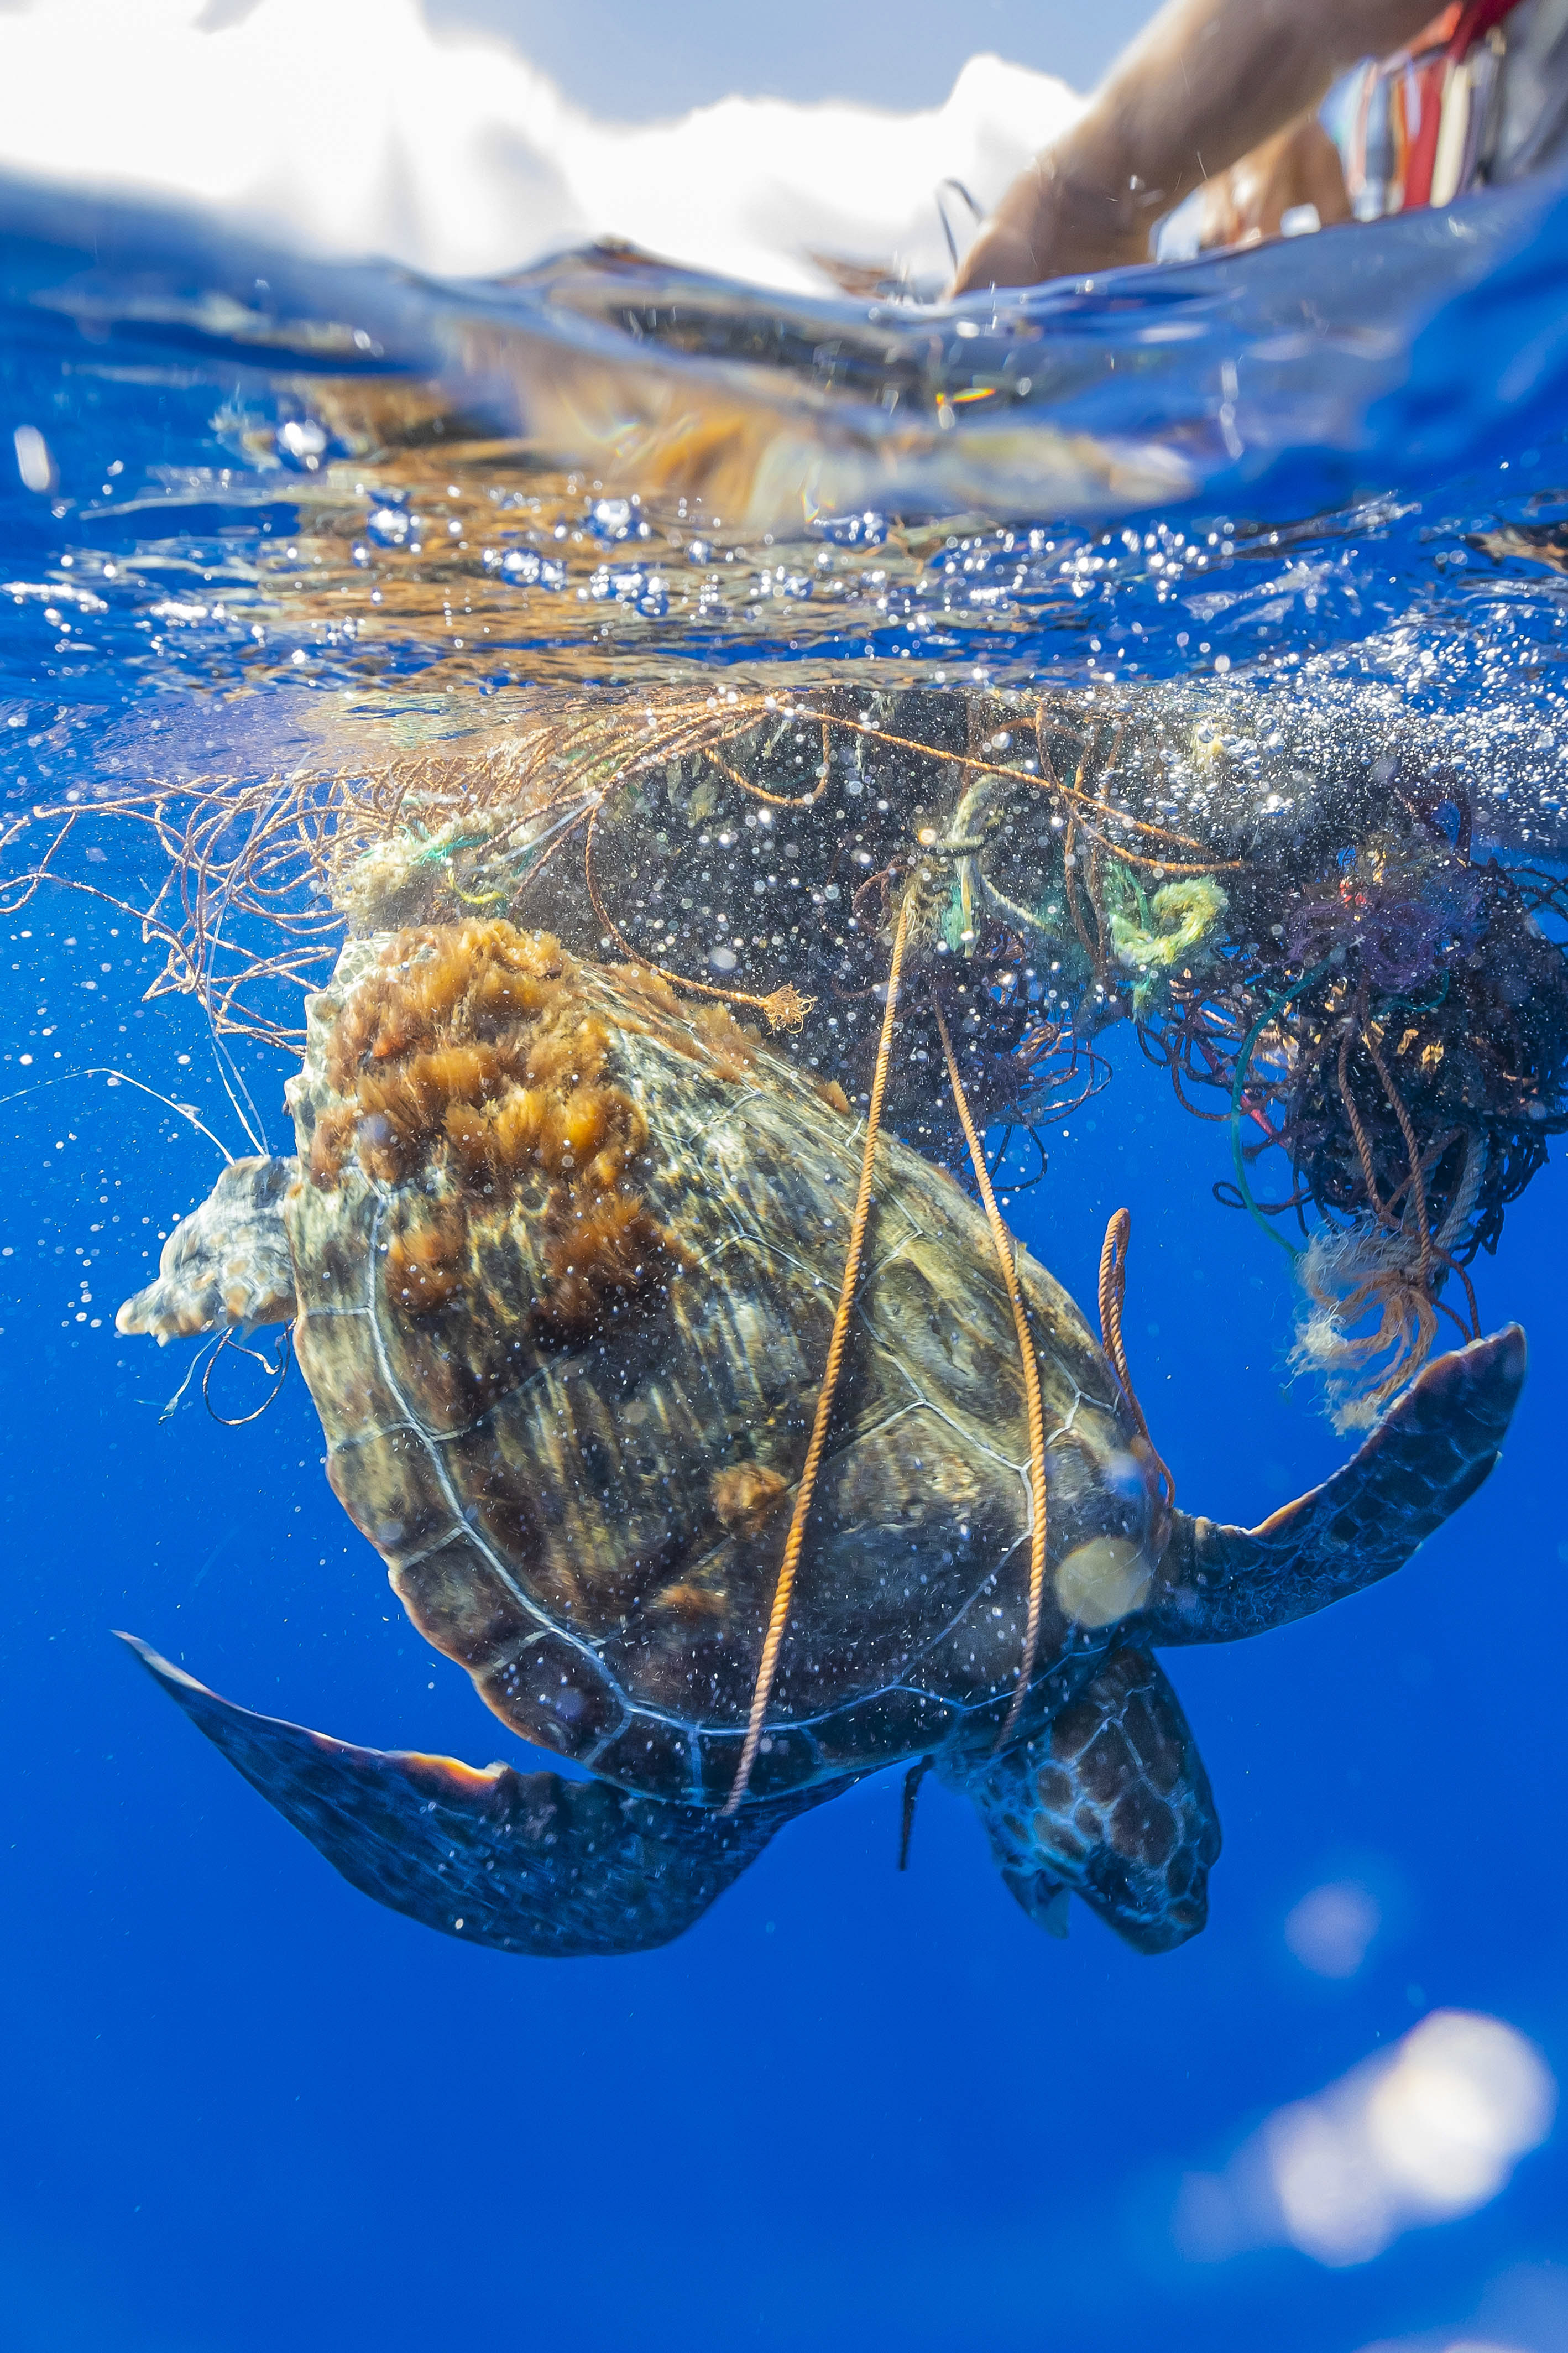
(564, 1254)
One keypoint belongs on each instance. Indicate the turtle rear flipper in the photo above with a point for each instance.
(1111, 1802)
(526, 1862)
(226, 1266)
(1429, 1454)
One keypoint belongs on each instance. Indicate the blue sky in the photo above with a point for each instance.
(623, 59)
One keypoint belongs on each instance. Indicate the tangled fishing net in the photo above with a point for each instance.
(1322, 963)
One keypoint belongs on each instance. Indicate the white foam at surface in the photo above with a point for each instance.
(350, 126)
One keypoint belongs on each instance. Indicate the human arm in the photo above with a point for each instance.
(1205, 83)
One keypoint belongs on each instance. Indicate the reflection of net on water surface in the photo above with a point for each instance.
(1323, 964)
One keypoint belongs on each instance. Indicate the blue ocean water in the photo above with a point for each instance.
(262, 511)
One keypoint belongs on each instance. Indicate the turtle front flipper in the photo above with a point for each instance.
(1430, 1452)
(526, 1862)
(1111, 1802)
(226, 1266)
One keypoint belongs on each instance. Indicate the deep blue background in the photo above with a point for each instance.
(244, 2107)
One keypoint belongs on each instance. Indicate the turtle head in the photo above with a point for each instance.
(226, 1267)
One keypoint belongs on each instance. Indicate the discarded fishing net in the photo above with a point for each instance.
(1319, 958)
(1390, 1016)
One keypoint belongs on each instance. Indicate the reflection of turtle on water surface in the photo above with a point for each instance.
(564, 1256)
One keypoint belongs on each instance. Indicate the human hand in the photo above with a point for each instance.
(1051, 224)
(1299, 167)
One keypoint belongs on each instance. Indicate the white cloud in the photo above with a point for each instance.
(350, 126)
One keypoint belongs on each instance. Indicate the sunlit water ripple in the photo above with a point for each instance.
(1283, 469)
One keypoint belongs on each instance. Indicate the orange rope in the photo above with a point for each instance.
(1422, 1227)
(1364, 1149)
(1001, 1243)
(1112, 1291)
(1021, 776)
(779, 1617)
(774, 800)
(1430, 1248)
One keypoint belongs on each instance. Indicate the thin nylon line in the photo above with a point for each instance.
(785, 1009)
(124, 1078)
(779, 1617)
(1001, 1243)
(279, 1373)
(1244, 1065)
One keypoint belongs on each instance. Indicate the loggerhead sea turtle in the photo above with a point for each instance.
(563, 1255)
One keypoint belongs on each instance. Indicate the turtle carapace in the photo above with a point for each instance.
(563, 1255)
